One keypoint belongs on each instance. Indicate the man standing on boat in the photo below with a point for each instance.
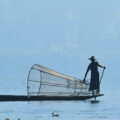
(94, 80)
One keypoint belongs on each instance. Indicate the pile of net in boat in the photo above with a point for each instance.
(47, 82)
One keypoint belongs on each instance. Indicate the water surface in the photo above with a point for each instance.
(107, 108)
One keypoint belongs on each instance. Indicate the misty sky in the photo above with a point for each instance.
(58, 34)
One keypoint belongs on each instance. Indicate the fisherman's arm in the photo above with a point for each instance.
(86, 73)
(101, 66)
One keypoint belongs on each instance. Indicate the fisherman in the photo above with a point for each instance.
(94, 80)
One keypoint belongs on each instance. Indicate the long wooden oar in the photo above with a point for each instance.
(101, 78)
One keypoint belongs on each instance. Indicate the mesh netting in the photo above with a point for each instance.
(44, 81)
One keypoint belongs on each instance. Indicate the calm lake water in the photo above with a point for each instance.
(108, 108)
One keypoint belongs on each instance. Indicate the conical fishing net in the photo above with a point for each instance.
(47, 82)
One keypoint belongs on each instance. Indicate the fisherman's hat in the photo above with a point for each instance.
(92, 58)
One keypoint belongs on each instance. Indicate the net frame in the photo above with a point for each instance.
(76, 86)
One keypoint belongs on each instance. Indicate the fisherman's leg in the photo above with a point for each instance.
(98, 91)
(93, 92)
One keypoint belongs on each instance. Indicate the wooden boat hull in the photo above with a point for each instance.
(44, 98)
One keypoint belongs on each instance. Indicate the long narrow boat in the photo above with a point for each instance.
(4, 98)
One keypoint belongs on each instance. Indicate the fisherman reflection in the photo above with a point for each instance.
(94, 80)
